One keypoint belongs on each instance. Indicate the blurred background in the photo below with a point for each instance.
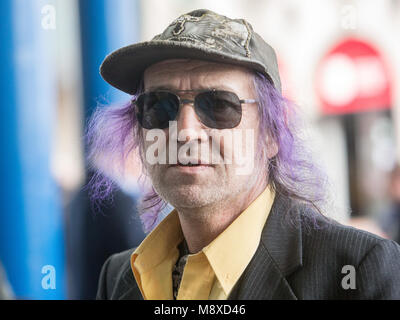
(339, 61)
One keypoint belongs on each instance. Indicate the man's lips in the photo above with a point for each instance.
(197, 163)
(190, 165)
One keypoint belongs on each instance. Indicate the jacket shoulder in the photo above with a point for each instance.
(342, 240)
(116, 277)
(331, 249)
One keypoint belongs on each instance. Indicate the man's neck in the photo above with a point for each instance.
(201, 226)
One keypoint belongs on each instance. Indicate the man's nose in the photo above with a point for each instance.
(187, 120)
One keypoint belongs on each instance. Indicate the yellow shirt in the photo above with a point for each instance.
(212, 272)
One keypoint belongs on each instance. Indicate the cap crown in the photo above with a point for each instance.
(200, 34)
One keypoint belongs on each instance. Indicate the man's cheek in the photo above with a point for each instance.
(221, 147)
(155, 147)
(244, 151)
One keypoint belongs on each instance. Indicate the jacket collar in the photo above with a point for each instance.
(130, 290)
(278, 255)
(282, 235)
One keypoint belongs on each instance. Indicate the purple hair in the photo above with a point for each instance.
(113, 133)
(291, 172)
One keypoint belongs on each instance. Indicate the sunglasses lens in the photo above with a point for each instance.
(219, 109)
(156, 109)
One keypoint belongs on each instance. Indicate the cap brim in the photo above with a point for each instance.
(124, 67)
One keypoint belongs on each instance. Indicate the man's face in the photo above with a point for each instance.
(204, 185)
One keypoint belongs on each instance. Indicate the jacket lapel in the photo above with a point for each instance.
(127, 288)
(278, 255)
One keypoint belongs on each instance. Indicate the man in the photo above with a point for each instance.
(218, 143)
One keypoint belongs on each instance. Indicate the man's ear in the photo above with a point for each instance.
(272, 148)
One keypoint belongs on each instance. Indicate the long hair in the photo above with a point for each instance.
(114, 134)
(292, 172)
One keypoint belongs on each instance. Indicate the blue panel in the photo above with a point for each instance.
(13, 242)
(106, 25)
(34, 230)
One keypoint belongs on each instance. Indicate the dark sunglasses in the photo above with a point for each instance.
(214, 108)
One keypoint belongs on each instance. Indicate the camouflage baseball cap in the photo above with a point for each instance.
(200, 34)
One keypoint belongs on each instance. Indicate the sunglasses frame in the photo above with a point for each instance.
(192, 102)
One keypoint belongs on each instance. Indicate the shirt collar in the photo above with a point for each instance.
(230, 253)
(158, 243)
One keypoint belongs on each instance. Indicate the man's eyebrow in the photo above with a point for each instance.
(164, 87)
(160, 88)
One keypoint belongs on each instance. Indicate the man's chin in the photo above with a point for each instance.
(190, 196)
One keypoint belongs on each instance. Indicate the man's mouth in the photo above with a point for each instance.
(188, 164)
(191, 164)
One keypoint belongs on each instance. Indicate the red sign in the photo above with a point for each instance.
(353, 77)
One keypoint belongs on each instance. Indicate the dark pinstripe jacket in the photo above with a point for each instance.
(301, 255)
